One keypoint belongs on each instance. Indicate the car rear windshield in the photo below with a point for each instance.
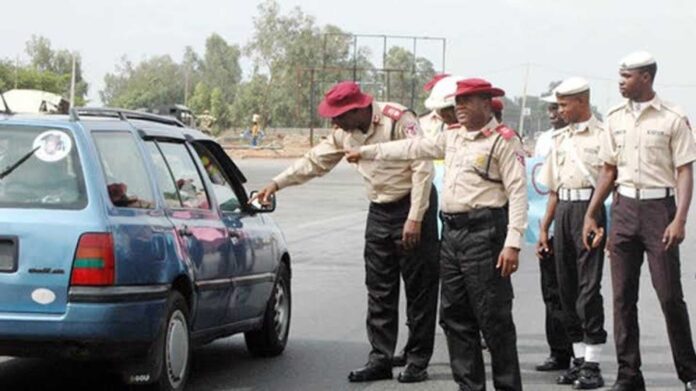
(40, 168)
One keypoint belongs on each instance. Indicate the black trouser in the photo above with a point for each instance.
(556, 335)
(637, 228)
(475, 298)
(579, 274)
(385, 261)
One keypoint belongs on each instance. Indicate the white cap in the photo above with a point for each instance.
(442, 94)
(572, 86)
(637, 60)
(550, 99)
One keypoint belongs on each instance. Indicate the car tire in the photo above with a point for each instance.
(176, 347)
(271, 338)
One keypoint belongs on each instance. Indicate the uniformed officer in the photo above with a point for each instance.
(497, 106)
(441, 102)
(401, 233)
(647, 150)
(484, 209)
(570, 172)
(432, 122)
(556, 337)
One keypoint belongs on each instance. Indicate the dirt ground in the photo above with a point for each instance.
(275, 146)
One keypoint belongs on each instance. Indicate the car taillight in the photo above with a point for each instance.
(94, 260)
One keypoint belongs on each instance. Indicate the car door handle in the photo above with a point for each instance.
(235, 236)
(185, 231)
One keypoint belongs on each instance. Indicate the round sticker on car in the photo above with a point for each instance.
(43, 296)
(52, 146)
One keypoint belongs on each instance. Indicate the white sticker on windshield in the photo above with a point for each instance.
(53, 145)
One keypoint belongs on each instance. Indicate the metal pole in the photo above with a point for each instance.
(16, 73)
(72, 83)
(355, 58)
(311, 108)
(444, 50)
(524, 102)
(413, 75)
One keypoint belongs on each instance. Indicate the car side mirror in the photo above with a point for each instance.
(257, 207)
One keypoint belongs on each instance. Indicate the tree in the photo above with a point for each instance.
(153, 82)
(218, 108)
(200, 101)
(284, 48)
(406, 85)
(48, 70)
(221, 68)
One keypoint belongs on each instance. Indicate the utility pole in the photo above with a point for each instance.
(523, 109)
(72, 83)
(16, 72)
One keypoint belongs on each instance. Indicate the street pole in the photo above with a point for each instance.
(72, 83)
(16, 72)
(524, 102)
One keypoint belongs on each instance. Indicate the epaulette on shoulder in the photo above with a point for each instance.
(616, 108)
(506, 132)
(674, 108)
(392, 112)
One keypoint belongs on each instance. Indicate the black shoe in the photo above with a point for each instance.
(571, 374)
(399, 360)
(370, 372)
(690, 386)
(590, 377)
(412, 374)
(553, 363)
(624, 385)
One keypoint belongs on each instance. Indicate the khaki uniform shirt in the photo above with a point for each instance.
(431, 124)
(385, 181)
(466, 154)
(560, 170)
(647, 144)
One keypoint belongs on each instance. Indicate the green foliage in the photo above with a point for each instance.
(48, 70)
(218, 108)
(200, 101)
(153, 82)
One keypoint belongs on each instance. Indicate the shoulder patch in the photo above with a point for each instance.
(392, 112)
(506, 132)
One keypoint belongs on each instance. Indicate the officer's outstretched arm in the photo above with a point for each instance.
(417, 148)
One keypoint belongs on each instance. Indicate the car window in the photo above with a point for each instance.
(126, 177)
(47, 172)
(186, 177)
(165, 180)
(224, 192)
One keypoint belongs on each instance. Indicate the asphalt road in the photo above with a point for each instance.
(323, 222)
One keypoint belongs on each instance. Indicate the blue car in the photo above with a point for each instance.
(128, 238)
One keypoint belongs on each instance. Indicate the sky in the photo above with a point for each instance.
(494, 39)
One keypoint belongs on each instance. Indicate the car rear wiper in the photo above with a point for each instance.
(7, 171)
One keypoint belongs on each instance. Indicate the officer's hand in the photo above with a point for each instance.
(508, 260)
(352, 155)
(674, 234)
(542, 248)
(411, 235)
(264, 194)
(591, 233)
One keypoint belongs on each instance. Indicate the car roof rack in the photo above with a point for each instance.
(123, 115)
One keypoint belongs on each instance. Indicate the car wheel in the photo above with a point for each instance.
(176, 349)
(271, 339)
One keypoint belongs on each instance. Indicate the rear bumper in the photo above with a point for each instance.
(101, 322)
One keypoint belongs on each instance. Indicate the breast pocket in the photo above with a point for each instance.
(656, 148)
